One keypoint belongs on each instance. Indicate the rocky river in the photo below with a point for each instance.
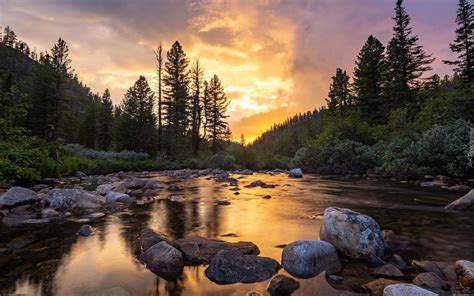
(90, 235)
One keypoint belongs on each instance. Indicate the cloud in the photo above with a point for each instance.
(273, 57)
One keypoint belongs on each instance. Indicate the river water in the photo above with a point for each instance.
(55, 261)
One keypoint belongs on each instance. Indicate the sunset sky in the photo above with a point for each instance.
(275, 58)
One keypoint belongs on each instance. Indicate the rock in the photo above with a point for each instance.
(95, 216)
(85, 230)
(353, 234)
(104, 189)
(112, 197)
(375, 288)
(392, 239)
(308, 258)
(374, 261)
(430, 279)
(223, 203)
(176, 198)
(465, 273)
(198, 249)
(335, 278)
(259, 183)
(164, 260)
(49, 213)
(173, 188)
(282, 285)
(149, 238)
(36, 221)
(295, 173)
(66, 199)
(460, 188)
(387, 271)
(138, 193)
(406, 290)
(21, 242)
(465, 203)
(17, 196)
(428, 266)
(154, 185)
(231, 266)
(244, 172)
(267, 196)
(80, 175)
(236, 193)
(39, 187)
(135, 183)
(398, 261)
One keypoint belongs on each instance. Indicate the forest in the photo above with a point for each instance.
(387, 118)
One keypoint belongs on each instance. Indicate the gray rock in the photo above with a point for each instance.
(135, 183)
(295, 173)
(392, 239)
(85, 230)
(387, 271)
(308, 258)
(104, 189)
(149, 238)
(282, 285)
(353, 234)
(464, 203)
(154, 185)
(17, 196)
(66, 199)
(176, 198)
(465, 273)
(80, 175)
(459, 188)
(428, 266)
(231, 266)
(406, 290)
(164, 260)
(49, 213)
(430, 279)
(198, 249)
(398, 261)
(374, 261)
(112, 197)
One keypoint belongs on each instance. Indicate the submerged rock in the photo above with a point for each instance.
(428, 266)
(387, 271)
(465, 273)
(353, 234)
(392, 239)
(308, 258)
(164, 260)
(17, 196)
(464, 203)
(282, 285)
(295, 173)
(406, 290)
(198, 249)
(149, 238)
(49, 213)
(231, 266)
(85, 230)
(431, 280)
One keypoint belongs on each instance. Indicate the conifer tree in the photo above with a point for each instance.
(9, 37)
(89, 128)
(105, 122)
(369, 76)
(407, 60)
(196, 102)
(176, 98)
(217, 127)
(339, 97)
(159, 71)
(464, 43)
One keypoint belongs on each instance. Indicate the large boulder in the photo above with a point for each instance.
(164, 260)
(197, 249)
(406, 290)
(149, 238)
(112, 197)
(295, 173)
(17, 196)
(282, 285)
(431, 280)
(308, 258)
(135, 183)
(353, 234)
(67, 199)
(231, 266)
(464, 203)
(465, 273)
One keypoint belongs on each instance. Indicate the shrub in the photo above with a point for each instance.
(222, 161)
(78, 150)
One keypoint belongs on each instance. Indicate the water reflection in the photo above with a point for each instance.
(106, 263)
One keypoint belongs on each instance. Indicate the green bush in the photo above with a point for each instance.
(222, 161)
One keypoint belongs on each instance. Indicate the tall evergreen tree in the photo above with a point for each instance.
(407, 60)
(464, 43)
(197, 74)
(339, 97)
(218, 128)
(9, 37)
(176, 98)
(105, 122)
(137, 119)
(89, 128)
(369, 76)
(159, 72)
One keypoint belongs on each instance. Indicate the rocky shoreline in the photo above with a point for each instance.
(353, 252)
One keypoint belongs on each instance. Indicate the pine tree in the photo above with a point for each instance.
(339, 97)
(205, 108)
(197, 74)
(89, 128)
(369, 76)
(105, 122)
(218, 128)
(159, 71)
(176, 98)
(9, 37)
(136, 126)
(407, 61)
(242, 140)
(464, 43)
